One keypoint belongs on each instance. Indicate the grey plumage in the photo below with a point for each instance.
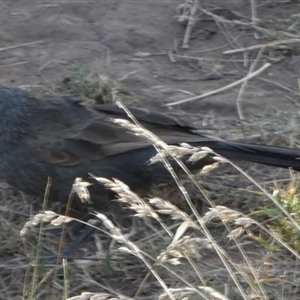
(68, 138)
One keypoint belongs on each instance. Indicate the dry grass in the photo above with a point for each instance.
(226, 249)
(242, 242)
(226, 252)
(99, 87)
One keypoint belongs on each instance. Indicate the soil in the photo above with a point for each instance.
(138, 44)
(105, 37)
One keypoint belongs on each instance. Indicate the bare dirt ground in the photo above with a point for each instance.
(139, 45)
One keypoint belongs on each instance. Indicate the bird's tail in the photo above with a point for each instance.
(267, 155)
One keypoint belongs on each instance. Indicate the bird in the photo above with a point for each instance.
(69, 137)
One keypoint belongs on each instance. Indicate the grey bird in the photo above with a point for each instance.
(68, 138)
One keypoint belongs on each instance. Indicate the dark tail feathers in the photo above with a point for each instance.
(267, 155)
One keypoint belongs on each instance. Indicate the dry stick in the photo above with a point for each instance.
(232, 41)
(280, 85)
(49, 62)
(246, 59)
(224, 88)
(14, 64)
(190, 25)
(271, 44)
(20, 45)
(244, 84)
(253, 12)
(235, 22)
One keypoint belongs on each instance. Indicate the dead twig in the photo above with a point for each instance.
(244, 84)
(248, 77)
(253, 12)
(190, 24)
(14, 64)
(247, 24)
(20, 45)
(254, 47)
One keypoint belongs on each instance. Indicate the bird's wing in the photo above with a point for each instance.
(72, 132)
